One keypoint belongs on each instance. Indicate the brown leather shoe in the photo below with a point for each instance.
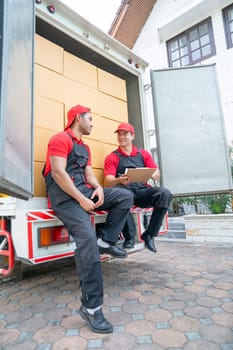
(96, 322)
(149, 242)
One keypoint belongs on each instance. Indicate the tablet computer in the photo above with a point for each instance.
(139, 174)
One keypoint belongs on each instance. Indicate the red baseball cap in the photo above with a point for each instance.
(125, 127)
(76, 110)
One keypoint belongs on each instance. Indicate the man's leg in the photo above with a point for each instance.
(159, 198)
(78, 224)
(129, 232)
(118, 201)
(156, 221)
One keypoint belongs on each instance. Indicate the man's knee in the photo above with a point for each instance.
(166, 193)
(127, 198)
(162, 197)
(124, 197)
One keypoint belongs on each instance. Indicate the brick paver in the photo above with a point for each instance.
(180, 298)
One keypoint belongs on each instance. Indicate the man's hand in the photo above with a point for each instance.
(112, 181)
(87, 204)
(99, 193)
(124, 180)
(156, 175)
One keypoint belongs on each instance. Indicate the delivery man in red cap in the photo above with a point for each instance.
(73, 192)
(129, 156)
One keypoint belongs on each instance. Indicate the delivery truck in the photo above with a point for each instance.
(52, 59)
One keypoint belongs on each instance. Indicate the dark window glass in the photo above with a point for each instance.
(185, 61)
(182, 41)
(228, 25)
(174, 45)
(175, 55)
(206, 50)
(184, 51)
(192, 46)
(176, 64)
(196, 55)
(203, 29)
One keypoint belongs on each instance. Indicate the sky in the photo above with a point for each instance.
(101, 13)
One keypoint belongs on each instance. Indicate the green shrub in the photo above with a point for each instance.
(216, 203)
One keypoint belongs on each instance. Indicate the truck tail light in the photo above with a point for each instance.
(53, 235)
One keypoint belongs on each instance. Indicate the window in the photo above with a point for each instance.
(228, 25)
(192, 46)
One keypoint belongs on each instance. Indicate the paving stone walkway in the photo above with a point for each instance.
(178, 298)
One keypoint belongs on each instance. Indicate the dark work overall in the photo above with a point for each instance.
(79, 226)
(144, 197)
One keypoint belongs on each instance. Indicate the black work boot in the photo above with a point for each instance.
(128, 243)
(114, 251)
(96, 322)
(149, 241)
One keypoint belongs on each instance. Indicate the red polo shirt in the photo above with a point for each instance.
(61, 145)
(112, 160)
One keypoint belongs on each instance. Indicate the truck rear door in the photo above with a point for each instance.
(192, 147)
(16, 97)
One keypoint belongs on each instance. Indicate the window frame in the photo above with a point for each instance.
(229, 40)
(185, 34)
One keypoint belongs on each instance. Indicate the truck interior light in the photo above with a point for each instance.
(151, 132)
(53, 235)
(86, 34)
(51, 8)
(147, 87)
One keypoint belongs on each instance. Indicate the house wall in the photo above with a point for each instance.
(63, 80)
(169, 18)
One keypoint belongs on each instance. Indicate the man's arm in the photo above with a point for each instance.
(90, 177)
(92, 180)
(156, 175)
(62, 178)
(110, 168)
(150, 163)
(112, 181)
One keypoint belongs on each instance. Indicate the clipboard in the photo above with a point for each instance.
(139, 174)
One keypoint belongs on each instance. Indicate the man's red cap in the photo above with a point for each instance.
(76, 110)
(125, 127)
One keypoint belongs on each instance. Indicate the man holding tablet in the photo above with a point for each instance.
(116, 164)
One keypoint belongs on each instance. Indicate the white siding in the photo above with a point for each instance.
(152, 49)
